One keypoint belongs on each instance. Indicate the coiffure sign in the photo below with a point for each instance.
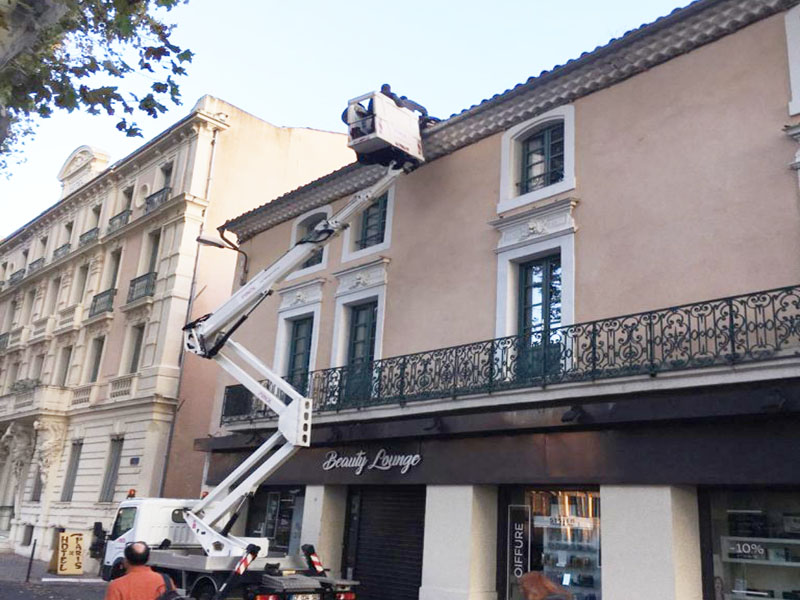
(361, 461)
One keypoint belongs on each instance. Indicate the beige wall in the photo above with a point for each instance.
(254, 162)
(684, 182)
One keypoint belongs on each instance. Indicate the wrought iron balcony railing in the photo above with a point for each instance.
(153, 201)
(36, 265)
(144, 285)
(239, 404)
(102, 302)
(739, 329)
(16, 277)
(119, 220)
(89, 236)
(62, 250)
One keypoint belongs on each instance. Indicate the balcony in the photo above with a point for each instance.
(62, 250)
(87, 237)
(18, 336)
(84, 395)
(724, 332)
(123, 386)
(31, 396)
(142, 286)
(36, 265)
(119, 221)
(102, 302)
(153, 201)
(3, 341)
(16, 277)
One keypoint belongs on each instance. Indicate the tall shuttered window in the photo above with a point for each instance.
(307, 228)
(72, 471)
(300, 353)
(112, 470)
(539, 317)
(542, 158)
(97, 356)
(373, 224)
(137, 336)
(363, 322)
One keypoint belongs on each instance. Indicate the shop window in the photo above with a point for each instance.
(550, 545)
(276, 513)
(755, 544)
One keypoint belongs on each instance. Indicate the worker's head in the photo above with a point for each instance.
(137, 553)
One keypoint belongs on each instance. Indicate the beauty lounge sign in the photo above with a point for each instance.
(362, 461)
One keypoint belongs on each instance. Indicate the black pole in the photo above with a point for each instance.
(30, 562)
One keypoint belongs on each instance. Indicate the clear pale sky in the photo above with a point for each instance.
(297, 63)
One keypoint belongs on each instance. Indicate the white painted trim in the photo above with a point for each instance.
(510, 160)
(348, 253)
(508, 278)
(792, 23)
(374, 287)
(324, 210)
(288, 313)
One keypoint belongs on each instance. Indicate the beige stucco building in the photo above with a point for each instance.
(95, 292)
(564, 308)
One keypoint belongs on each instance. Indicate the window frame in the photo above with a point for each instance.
(298, 232)
(71, 474)
(511, 159)
(350, 250)
(111, 474)
(292, 369)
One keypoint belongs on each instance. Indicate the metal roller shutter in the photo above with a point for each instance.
(388, 553)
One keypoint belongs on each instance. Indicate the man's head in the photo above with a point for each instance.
(137, 553)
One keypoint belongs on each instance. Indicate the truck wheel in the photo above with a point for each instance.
(118, 570)
(204, 590)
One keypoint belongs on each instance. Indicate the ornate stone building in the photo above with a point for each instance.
(94, 293)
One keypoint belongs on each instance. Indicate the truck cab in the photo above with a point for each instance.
(150, 520)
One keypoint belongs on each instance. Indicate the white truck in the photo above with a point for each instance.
(191, 539)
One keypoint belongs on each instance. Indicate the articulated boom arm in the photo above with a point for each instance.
(209, 337)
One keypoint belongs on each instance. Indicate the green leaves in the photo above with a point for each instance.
(69, 65)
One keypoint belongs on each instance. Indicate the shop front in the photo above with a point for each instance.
(678, 509)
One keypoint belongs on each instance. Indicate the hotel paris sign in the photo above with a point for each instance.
(361, 461)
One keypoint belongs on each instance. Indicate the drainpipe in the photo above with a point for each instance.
(189, 306)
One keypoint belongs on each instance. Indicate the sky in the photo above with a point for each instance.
(296, 63)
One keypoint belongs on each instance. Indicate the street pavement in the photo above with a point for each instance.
(13, 587)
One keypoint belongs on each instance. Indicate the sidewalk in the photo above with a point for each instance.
(14, 567)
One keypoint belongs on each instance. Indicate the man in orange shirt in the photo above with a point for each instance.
(140, 582)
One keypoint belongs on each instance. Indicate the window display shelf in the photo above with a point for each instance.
(774, 552)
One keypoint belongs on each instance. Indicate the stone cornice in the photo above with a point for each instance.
(680, 32)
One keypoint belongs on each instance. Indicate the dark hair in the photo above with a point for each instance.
(137, 553)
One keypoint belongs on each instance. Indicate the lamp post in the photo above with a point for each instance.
(209, 240)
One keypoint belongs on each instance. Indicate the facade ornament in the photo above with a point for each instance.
(360, 280)
(299, 298)
(18, 442)
(51, 435)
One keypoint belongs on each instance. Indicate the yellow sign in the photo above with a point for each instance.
(70, 553)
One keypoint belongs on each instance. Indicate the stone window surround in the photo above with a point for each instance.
(537, 232)
(356, 286)
(322, 210)
(349, 252)
(511, 157)
(297, 301)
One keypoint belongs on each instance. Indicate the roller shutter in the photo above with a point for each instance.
(387, 527)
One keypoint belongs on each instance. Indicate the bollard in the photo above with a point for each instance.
(30, 562)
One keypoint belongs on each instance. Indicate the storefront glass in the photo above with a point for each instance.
(550, 544)
(276, 512)
(755, 540)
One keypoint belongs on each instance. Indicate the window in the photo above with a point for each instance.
(8, 318)
(27, 307)
(537, 159)
(52, 296)
(360, 351)
(97, 356)
(113, 269)
(64, 361)
(36, 491)
(308, 227)
(277, 513)
(24, 259)
(112, 470)
(127, 198)
(166, 175)
(153, 242)
(539, 317)
(137, 336)
(68, 232)
(300, 353)
(94, 220)
(72, 471)
(542, 158)
(124, 522)
(550, 544)
(80, 284)
(36, 367)
(42, 246)
(13, 373)
(373, 224)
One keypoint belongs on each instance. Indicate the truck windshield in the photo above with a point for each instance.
(123, 522)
